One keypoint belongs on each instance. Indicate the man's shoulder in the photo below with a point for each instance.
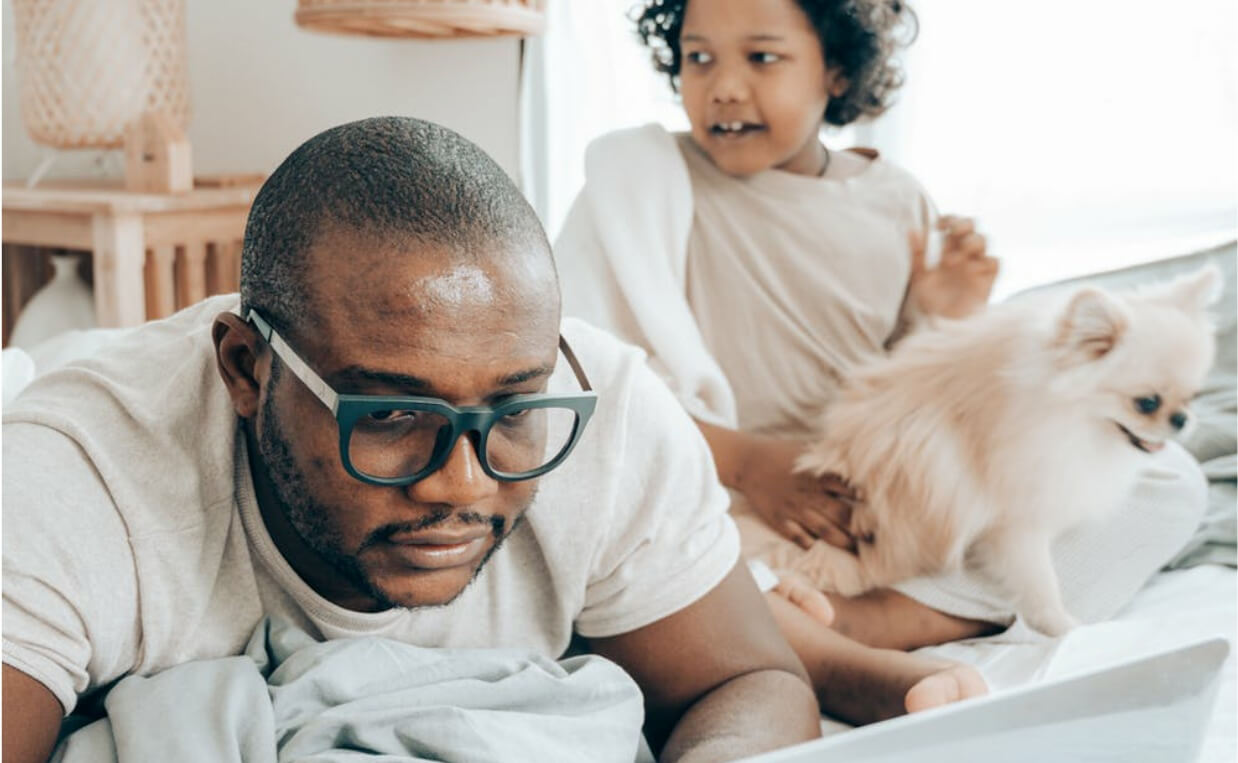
(145, 415)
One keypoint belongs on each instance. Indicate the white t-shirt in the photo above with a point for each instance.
(133, 542)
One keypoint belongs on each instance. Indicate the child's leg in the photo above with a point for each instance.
(860, 684)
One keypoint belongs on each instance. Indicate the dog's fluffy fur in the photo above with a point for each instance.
(979, 442)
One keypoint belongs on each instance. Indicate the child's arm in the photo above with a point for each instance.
(799, 506)
(858, 683)
(957, 286)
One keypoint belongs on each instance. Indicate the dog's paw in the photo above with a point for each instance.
(1051, 622)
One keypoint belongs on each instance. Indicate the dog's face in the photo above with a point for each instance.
(1138, 359)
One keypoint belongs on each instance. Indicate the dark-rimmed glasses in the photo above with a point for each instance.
(398, 440)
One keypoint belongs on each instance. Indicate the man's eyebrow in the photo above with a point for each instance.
(360, 374)
(357, 374)
(520, 377)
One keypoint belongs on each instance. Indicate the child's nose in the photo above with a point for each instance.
(728, 85)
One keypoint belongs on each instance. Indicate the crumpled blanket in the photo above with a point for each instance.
(291, 698)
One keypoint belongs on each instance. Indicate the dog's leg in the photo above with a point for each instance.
(1023, 566)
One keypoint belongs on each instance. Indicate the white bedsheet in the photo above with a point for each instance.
(1174, 609)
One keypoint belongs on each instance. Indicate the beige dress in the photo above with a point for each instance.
(793, 280)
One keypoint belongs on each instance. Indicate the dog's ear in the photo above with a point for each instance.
(1194, 292)
(1091, 325)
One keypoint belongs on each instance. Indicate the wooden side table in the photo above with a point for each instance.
(153, 253)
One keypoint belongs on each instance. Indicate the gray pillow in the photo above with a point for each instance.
(1214, 439)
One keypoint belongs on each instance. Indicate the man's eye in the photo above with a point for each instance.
(515, 416)
(764, 58)
(386, 416)
(699, 57)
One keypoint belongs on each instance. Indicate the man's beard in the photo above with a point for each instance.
(312, 520)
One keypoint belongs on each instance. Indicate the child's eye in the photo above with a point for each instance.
(698, 57)
(764, 58)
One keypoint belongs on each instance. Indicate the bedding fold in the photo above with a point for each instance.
(291, 698)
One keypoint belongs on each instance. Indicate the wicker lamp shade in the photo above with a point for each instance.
(88, 68)
(423, 18)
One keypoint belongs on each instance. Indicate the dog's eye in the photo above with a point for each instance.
(1149, 404)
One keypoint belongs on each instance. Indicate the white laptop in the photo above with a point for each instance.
(1153, 709)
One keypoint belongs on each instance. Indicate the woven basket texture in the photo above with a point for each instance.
(424, 18)
(89, 67)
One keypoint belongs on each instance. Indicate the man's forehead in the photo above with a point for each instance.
(398, 274)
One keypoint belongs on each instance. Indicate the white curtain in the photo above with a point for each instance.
(1083, 135)
(587, 75)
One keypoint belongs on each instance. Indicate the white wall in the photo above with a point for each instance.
(260, 85)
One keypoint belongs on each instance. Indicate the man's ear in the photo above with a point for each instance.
(1091, 325)
(238, 350)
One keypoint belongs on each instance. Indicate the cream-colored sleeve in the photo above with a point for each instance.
(70, 604)
(587, 281)
(621, 258)
(669, 539)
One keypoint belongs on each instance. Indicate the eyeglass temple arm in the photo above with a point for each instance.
(575, 364)
(307, 375)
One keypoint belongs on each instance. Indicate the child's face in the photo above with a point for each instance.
(758, 65)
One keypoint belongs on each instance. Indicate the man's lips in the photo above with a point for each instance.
(438, 550)
(438, 537)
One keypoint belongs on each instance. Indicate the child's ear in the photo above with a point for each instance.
(836, 84)
(1091, 325)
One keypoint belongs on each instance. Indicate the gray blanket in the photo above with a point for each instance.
(290, 698)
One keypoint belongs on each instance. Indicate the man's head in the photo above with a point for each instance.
(395, 258)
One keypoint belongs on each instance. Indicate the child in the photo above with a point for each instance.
(757, 267)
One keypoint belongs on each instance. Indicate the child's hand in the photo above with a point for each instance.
(800, 507)
(960, 284)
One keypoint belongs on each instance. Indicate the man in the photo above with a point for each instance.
(386, 437)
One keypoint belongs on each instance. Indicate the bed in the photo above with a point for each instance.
(1196, 598)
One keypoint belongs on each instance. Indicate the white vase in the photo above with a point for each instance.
(64, 304)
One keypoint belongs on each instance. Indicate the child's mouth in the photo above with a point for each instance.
(735, 129)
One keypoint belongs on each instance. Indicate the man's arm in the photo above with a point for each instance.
(32, 718)
(719, 680)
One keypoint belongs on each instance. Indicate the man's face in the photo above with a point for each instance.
(393, 324)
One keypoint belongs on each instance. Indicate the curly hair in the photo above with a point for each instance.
(858, 37)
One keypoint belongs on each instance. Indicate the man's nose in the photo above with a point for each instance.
(460, 481)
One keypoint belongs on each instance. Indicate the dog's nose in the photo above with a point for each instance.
(1177, 419)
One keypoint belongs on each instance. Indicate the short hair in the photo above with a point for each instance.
(384, 177)
(859, 37)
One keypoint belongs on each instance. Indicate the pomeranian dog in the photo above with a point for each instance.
(976, 443)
